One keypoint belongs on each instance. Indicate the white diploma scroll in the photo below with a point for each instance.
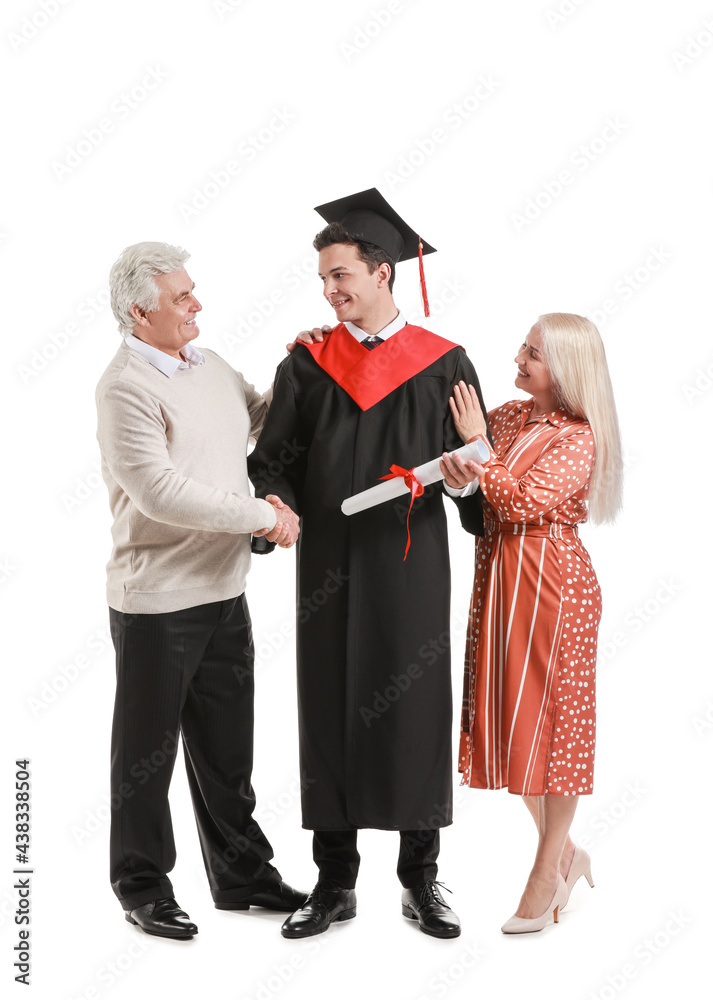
(390, 489)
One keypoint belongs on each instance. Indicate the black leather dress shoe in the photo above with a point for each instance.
(277, 896)
(327, 903)
(164, 918)
(426, 904)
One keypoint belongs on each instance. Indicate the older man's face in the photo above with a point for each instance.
(173, 324)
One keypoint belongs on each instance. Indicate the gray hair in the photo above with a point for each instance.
(131, 279)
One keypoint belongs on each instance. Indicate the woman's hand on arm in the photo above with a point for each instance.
(467, 414)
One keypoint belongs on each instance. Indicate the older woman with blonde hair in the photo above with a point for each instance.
(529, 692)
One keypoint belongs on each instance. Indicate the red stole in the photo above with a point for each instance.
(369, 376)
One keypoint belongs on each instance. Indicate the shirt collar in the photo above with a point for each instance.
(556, 417)
(165, 363)
(394, 326)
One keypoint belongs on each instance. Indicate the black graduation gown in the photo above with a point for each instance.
(373, 631)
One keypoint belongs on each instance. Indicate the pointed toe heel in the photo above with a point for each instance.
(528, 925)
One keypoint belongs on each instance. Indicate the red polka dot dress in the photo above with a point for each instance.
(529, 695)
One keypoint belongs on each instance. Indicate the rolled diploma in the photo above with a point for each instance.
(390, 489)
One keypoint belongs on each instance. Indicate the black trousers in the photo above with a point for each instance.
(335, 854)
(191, 672)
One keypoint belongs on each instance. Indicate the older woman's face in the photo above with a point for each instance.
(532, 373)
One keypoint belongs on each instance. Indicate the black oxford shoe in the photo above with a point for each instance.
(164, 918)
(327, 903)
(274, 896)
(426, 904)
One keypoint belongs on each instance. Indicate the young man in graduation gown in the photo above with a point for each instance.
(373, 657)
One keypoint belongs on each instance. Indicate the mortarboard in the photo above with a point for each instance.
(368, 216)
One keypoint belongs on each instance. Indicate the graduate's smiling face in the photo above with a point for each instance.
(348, 286)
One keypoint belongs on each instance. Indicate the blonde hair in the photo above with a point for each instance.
(574, 354)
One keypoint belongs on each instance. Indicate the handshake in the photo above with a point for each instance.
(287, 525)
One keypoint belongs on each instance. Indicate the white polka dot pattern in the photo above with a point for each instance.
(529, 689)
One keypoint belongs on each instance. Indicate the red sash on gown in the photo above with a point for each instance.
(369, 376)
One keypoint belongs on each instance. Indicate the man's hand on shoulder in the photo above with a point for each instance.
(314, 336)
(287, 525)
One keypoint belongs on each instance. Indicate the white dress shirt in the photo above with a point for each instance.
(166, 363)
(394, 326)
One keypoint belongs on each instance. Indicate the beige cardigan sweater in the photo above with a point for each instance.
(174, 461)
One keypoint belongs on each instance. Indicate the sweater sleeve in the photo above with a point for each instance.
(561, 470)
(133, 443)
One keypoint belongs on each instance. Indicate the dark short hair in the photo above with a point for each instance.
(370, 253)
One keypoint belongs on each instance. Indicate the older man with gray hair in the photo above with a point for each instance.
(173, 429)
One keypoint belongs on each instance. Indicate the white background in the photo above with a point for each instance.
(463, 114)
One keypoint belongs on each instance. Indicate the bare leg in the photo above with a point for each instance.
(533, 807)
(554, 818)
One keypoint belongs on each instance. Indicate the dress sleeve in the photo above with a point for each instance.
(562, 469)
(132, 437)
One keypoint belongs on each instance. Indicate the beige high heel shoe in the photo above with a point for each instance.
(581, 865)
(525, 925)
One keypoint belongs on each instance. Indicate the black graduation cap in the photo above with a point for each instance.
(369, 217)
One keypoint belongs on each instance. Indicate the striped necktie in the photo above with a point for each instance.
(371, 342)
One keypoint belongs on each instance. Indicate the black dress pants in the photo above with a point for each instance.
(192, 672)
(335, 854)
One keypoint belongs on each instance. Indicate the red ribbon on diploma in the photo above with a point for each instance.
(416, 491)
